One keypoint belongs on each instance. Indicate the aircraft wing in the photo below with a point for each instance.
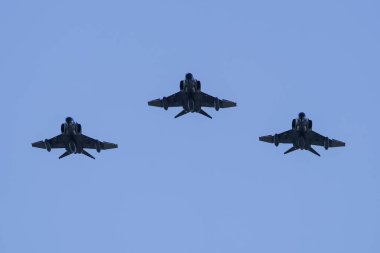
(210, 101)
(88, 142)
(285, 137)
(55, 142)
(319, 140)
(174, 100)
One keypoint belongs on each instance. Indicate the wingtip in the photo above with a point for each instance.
(38, 144)
(337, 143)
(227, 103)
(267, 138)
(155, 102)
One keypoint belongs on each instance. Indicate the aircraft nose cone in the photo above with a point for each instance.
(301, 115)
(189, 76)
(69, 120)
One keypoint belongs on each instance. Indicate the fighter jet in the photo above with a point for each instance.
(72, 139)
(191, 98)
(302, 137)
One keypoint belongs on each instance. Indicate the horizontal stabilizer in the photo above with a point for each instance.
(313, 151)
(87, 154)
(65, 154)
(205, 114)
(290, 150)
(181, 114)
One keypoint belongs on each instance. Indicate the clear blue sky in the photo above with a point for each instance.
(189, 184)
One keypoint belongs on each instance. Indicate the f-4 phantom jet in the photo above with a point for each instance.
(302, 137)
(191, 99)
(72, 139)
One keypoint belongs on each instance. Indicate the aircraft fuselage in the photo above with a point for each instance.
(302, 128)
(191, 99)
(71, 132)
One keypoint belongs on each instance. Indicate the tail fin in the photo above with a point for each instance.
(313, 151)
(290, 150)
(87, 154)
(204, 114)
(181, 114)
(64, 154)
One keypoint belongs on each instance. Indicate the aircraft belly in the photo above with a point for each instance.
(73, 145)
(301, 142)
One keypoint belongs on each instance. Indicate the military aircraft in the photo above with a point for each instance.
(302, 137)
(72, 139)
(191, 98)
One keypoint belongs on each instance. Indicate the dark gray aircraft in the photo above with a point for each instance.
(302, 137)
(191, 98)
(72, 139)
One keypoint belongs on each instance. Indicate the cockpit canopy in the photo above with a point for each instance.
(69, 120)
(301, 115)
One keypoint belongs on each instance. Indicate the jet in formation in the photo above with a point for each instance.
(302, 137)
(72, 139)
(191, 99)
